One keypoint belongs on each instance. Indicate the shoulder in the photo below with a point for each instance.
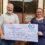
(4, 15)
(15, 15)
(33, 20)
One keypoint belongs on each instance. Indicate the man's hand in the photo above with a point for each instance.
(40, 33)
(1, 33)
(2, 36)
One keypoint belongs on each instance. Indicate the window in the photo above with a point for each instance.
(25, 6)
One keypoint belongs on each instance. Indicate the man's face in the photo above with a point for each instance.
(10, 8)
(39, 12)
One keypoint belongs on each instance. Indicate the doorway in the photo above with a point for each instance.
(25, 9)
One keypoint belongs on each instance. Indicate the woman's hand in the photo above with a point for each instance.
(40, 33)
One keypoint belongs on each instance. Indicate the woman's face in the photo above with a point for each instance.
(39, 13)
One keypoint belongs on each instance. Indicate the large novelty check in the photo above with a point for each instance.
(21, 32)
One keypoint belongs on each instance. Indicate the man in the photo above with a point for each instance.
(10, 18)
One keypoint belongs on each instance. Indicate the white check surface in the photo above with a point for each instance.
(21, 32)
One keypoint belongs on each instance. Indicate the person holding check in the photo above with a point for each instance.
(40, 20)
(9, 18)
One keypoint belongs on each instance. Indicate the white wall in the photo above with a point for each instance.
(5, 2)
(40, 4)
(24, 0)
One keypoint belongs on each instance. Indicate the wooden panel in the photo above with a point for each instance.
(44, 7)
(0, 6)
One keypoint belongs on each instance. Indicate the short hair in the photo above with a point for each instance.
(10, 3)
(40, 9)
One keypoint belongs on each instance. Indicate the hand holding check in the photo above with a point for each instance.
(40, 33)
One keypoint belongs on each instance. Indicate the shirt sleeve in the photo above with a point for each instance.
(1, 20)
(43, 33)
(43, 28)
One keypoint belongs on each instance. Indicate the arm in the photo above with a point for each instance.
(1, 27)
(1, 33)
(44, 33)
(42, 30)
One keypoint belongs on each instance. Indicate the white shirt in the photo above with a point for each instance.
(1, 20)
(10, 19)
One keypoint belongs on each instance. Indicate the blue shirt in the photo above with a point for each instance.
(41, 27)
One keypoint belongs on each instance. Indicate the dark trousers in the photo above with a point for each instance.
(7, 42)
(0, 42)
(32, 43)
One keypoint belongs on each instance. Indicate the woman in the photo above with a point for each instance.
(40, 20)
